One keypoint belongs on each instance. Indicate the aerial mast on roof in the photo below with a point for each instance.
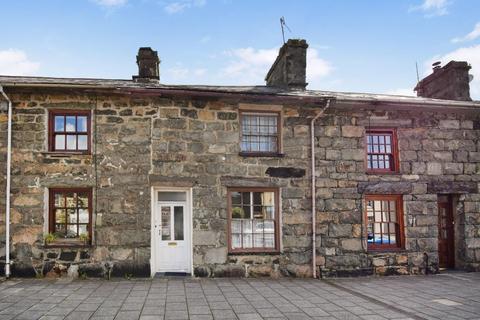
(416, 67)
(282, 25)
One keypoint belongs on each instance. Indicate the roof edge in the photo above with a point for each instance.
(129, 87)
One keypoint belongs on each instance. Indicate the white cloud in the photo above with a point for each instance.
(110, 3)
(432, 8)
(316, 66)
(250, 66)
(474, 34)
(180, 73)
(402, 92)
(182, 5)
(15, 62)
(175, 7)
(472, 56)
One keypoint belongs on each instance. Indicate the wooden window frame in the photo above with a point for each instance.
(279, 152)
(400, 234)
(277, 220)
(51, 211)
(395, 164)
(51, 130)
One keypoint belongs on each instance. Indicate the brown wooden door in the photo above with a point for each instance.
(446, 251)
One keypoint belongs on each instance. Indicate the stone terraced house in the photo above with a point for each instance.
(138, 178)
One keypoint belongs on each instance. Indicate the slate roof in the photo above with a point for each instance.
(130, 85)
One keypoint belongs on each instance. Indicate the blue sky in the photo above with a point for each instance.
(360, 46)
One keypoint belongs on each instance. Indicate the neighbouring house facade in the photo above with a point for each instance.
(133, 177)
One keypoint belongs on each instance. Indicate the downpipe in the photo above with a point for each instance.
(7, 191)
(314, 206)
(425, 261)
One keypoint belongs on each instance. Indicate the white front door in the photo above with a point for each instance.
(172, 232)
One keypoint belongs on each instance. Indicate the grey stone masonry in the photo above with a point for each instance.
(289, 69)
(140, 142)
(148, 65)
(450, 82)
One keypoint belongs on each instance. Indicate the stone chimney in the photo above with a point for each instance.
(450, 82)
(148, 65)
(289, 69)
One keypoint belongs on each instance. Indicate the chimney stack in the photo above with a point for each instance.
(289, 69)
(148, 65)
(450, 82)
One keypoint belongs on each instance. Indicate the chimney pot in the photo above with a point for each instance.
(289, 69)
(148, 65)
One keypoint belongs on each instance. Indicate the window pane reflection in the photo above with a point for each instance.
(382, 224)
(253, 219)
(259, 132)
(178, 223)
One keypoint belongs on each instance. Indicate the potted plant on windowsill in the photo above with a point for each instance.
(84, 238)
(49, 238)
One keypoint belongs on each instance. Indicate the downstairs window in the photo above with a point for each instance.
(253, 220)
(71, 214)
(384, 222)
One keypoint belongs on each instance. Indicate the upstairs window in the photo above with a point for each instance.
(260, 133)
(382, 153)
(253, 219)
(384, 222)
(71, 213)
(69, 131)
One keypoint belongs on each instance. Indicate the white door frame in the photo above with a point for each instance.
(189, 212)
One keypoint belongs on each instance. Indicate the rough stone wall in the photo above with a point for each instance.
(145, 142)
(450, 82)
(288, 70)
(139, 143)
(197, 142)
(33, 171)
(439, 153)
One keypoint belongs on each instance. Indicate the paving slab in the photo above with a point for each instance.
(444, 296)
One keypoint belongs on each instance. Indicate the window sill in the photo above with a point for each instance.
(390, 173)
(252, 252)
(68, 244)
(385, 250)
(261, 154)
(64, 154)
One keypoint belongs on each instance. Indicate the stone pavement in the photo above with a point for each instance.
(445, 296)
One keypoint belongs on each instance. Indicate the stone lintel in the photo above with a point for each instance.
(239, 182)
(285, 172)
(384, 187)
(162, 181)
(452, 187)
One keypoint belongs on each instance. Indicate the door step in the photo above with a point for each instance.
(171, 275)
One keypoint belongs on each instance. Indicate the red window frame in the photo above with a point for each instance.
(52, 133)
(399, 228)
(394, 160)
(52, 208)
(276, 219)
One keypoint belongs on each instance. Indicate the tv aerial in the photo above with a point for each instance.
(283, 25)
